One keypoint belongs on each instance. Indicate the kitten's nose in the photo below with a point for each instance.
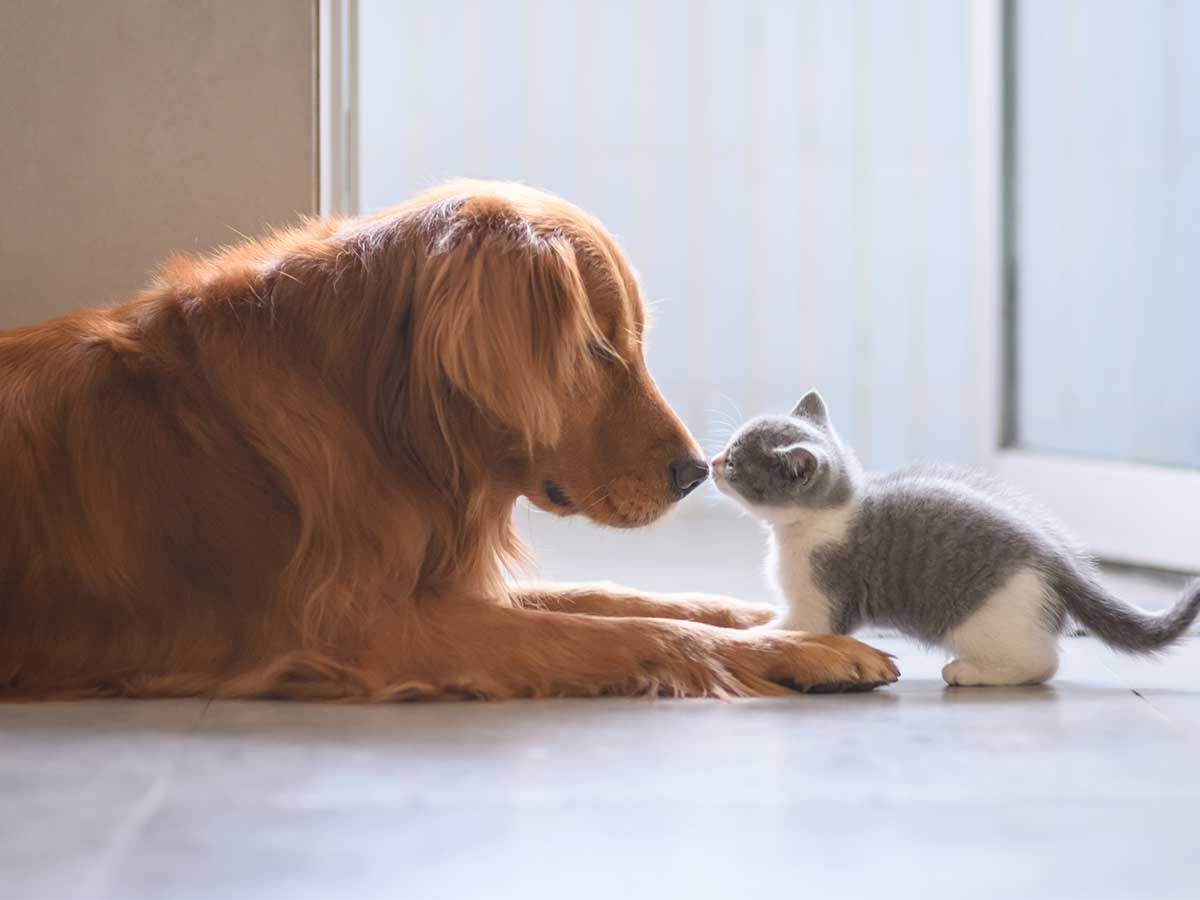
(685, 475)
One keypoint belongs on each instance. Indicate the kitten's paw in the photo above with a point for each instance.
(959, 673)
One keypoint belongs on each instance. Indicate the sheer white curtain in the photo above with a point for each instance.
(789, 178)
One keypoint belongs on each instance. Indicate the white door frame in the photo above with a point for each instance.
(1125, 512)
(337, 102)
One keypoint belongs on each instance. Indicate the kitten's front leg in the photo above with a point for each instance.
(806, 611)
(605, 599)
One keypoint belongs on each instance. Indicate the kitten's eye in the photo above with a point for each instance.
(602, 352)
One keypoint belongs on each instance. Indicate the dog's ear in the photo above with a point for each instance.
(506, 321)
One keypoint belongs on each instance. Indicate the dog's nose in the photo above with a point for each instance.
(687, 474)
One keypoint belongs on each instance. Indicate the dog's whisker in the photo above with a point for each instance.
(582, 502)
(590, 500)
(595, 503)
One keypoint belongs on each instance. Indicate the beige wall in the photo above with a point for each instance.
(131, 129)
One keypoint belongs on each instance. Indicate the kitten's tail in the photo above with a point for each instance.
(1119, 625)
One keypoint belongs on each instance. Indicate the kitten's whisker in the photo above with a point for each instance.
(720, 430)
(737, 412)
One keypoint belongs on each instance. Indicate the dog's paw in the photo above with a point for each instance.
(689, 659)
(810, 662)
(863, 666)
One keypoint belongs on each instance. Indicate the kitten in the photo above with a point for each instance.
(943, 555)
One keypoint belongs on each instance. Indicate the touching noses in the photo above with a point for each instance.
(685, 475)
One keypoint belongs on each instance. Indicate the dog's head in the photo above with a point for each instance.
(526, 309)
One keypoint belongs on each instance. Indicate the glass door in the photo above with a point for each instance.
(1098, 407)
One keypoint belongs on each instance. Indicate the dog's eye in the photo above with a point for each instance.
(602, 352)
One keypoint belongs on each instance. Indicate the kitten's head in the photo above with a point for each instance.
(778, 465)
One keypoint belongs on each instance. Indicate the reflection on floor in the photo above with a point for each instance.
(1087, 788)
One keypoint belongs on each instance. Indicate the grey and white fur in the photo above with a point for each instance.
(944, 555)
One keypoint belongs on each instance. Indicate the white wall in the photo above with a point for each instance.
(133, 131)
(790, 179)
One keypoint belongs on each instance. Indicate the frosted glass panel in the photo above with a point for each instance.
(1107, 239)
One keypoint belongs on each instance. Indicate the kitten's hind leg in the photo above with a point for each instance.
(966, 673)
(1011, 639)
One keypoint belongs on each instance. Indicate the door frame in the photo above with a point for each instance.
(337, 107)
(1124, 512)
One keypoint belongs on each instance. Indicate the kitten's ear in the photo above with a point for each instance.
(811, 406)
(798, 461)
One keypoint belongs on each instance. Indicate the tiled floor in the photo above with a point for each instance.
(1087, 788)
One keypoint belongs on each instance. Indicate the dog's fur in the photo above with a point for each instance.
(288, 469)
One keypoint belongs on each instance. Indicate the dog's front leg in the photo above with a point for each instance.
(490, 651)
(606, 599)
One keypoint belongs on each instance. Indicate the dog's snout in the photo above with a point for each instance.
(687, 474)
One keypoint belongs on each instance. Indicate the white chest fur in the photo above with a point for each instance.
(789, 564)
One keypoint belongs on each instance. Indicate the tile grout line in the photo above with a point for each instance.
(1171, 723)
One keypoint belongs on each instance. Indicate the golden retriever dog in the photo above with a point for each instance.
(288, 469)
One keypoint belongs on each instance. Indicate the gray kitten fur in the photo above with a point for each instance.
(926, 546)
